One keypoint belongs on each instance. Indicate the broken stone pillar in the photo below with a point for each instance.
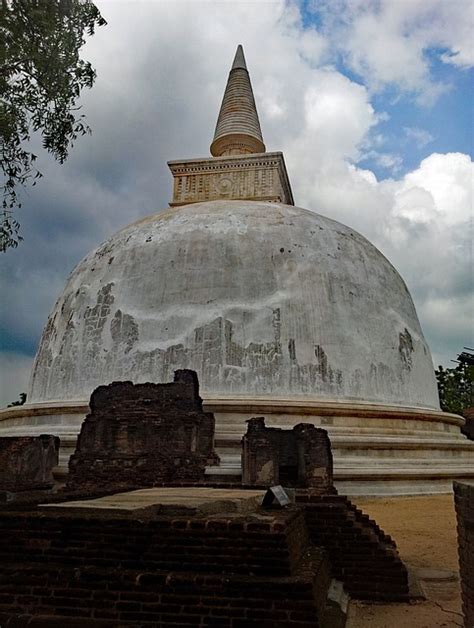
(315, 466)
(260, 454)
(300, 457)
(27, 462)
(143, 434)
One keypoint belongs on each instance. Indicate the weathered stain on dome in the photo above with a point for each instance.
(258, 298)
(405, 347)
(124, 329)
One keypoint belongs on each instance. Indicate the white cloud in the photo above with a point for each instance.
(421, 137)
(389, 161)
(387, 41)
(448, 180)
(337, 113)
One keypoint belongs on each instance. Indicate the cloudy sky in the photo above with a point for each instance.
(369, 100)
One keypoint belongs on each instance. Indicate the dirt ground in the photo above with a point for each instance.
(424, 529)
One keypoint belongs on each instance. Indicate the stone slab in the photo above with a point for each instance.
(169, 499)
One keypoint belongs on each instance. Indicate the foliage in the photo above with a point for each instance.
(41, 78)
(20, 402)
(456, 385)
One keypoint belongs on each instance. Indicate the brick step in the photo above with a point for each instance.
(228, 478)
(348, 532)
(361, 554)
(315, 512)
(356, 547)
(210, 546)
(363, 595)
(346, 529)
(271, 568)
(354, 564)
(374, 563)
(130, 597)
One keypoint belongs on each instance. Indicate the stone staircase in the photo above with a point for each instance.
(362, 556)
(229, 469)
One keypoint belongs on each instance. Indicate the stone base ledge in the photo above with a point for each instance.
(254, 405)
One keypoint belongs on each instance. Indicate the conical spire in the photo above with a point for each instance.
(239, 59)
(238, 128)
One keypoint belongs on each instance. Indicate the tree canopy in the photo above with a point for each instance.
(41, 78)
(456, 385)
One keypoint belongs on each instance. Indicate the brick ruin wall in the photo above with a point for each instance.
(27, 462)
(300, 457)
(464, 501)
(138, 435)
(227, 571)
(266, 569)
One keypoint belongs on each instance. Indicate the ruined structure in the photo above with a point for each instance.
(140, 435)
(195, 555)
(282, 312)
(140, 560)
(230, 571)
(361, 555)
(298, 457)
(27, 462)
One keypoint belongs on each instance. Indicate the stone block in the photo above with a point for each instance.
(26, 462)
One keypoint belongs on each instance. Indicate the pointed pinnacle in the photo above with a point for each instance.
(238, 128)
(239, 59)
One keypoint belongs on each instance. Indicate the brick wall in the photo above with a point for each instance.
(139, 435)
(464, 500)
(224, 570)
(26, 462)
(231, 572)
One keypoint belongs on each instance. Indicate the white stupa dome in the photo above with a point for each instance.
(259, 298)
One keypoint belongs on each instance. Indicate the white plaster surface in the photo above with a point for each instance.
(259, 298)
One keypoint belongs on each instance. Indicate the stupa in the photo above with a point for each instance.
(282, 312)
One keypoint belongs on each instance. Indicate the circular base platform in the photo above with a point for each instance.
(377, 449)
